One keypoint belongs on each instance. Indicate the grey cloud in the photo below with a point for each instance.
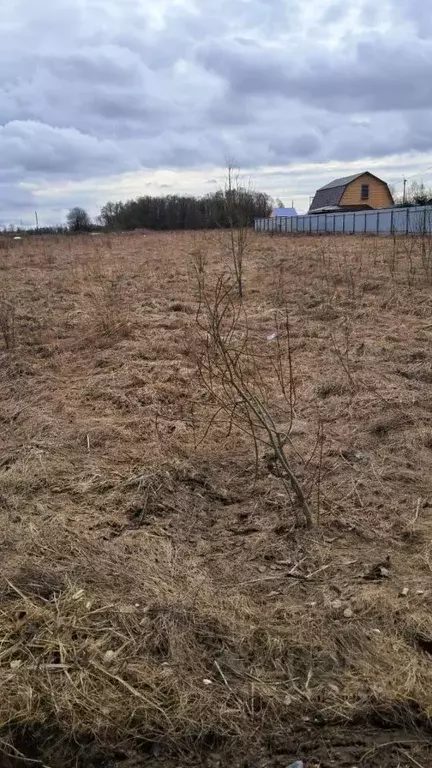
(414, 13)
(98, 87)
(15, 202)
(366, 75)
(41, 149)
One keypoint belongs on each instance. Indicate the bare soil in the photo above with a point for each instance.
(159, 603)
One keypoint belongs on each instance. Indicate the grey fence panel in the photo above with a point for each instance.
(420, 221)
(399, 220)
(387, 221)
(349, 223)
(372, 222)
(359, 224)
(339, 222)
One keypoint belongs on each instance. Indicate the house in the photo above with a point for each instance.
(284, 212)
(362, 191)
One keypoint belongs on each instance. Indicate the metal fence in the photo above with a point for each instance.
(386, 221)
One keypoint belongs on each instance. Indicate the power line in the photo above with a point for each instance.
(429, 168)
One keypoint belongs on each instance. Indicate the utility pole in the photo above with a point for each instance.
(37, 220)
(404, 191)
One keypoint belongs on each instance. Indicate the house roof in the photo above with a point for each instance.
(284, 212)
(343, 181)
(330, 195)
(328, 209)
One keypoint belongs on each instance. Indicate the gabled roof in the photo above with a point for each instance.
(330, 194)
(284, 212)
(343, 181)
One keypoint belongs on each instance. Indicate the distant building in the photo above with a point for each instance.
(363, 191)
(284, 212)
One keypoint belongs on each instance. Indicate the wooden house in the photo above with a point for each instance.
(362, 191)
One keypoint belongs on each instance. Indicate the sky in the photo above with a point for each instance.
(111, 99)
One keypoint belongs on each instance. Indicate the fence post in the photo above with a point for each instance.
(343, 223)
(392, 222)
(377, 226)
(365, 224)
(407, 221)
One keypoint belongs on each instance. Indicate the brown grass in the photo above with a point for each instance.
(158, 601)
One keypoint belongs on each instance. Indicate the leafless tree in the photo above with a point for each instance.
(236, 195)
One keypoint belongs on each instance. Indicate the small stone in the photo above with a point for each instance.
(15, 664)
(336, 604)
(420, 591)
(108, 656)
(156, 749)
(348, 613)
(404, 592)
(214, 760)
(262, 569)
(127, 609)
(376, 631)
(206, 681)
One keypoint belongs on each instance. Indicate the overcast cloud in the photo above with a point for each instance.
(104, 99)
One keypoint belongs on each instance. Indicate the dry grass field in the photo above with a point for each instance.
(161, 602)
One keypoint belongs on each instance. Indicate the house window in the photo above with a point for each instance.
(365, 192)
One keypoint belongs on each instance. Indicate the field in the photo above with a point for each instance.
(161, 601)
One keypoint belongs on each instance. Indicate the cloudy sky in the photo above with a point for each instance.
(109, 99)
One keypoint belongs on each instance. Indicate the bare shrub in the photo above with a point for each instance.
(342, 349)
(234, 375)
(108, 313)
(8, 322)
(238, 223)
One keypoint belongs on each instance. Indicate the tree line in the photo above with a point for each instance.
(184, 212)
(234, 206)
